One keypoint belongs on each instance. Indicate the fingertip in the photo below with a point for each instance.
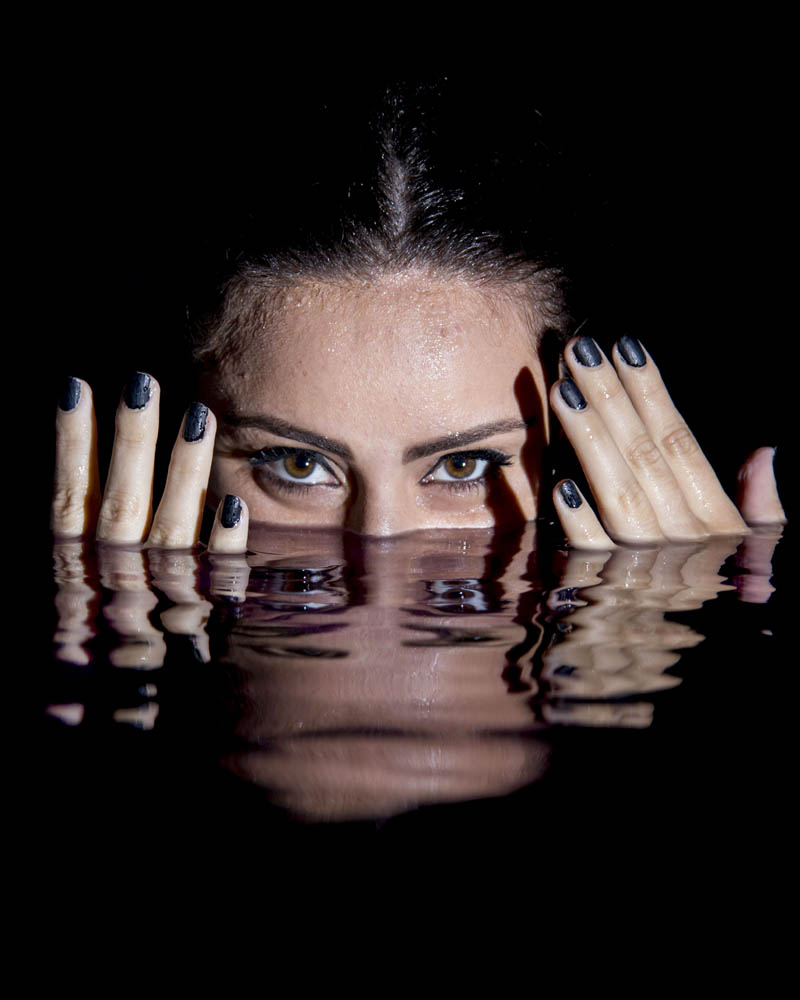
(140, 390)
(584, 351)
(580, 523)
(757, 493)
(569, 494)
(74, 396)
(198, 424)
(231, 524)
(629, 352)
(566, 396)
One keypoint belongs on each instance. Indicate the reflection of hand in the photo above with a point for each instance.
(618, 642)
(124, 585)
(123, 515)
(614, 640)
(649, 478)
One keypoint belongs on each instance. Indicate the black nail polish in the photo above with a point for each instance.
(194, 426)
(570, 494)
(631, 351)
(70, 394)
(231, 511)
(137, 391)
(587, 353)
(572, 395)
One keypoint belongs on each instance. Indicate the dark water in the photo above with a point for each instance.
(448, 693)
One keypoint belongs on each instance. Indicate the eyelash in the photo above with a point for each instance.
(267, 456)
(495, 460)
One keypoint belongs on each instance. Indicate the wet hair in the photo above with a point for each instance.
(406, 199)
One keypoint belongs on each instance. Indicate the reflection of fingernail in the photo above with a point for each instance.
(137, 391)
(194, 426)
(631, 351)
(231, 511)
(70, 394)
(570, 494)
(585, 350)
(571, 395)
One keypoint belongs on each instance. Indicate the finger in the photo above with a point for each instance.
(140, 644)
(229, 533)
(230, 574)
(177, 521)
(579, 521)
(699, 484)
(175, 575)
(600, 385)
(620, 715)
(700, 574)
(128, 496)
(76, 488)
(75, 603)
(754, 558)
(757, 496)
(622, 504)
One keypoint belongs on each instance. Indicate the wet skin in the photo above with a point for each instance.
(407, 403)
(383, 410)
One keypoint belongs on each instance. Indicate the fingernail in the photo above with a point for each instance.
(231, 511)
(70, 394)
(194, 426)
(570, 494)
(137, 391)
(586, 351)
(571, 395)
(631, 351)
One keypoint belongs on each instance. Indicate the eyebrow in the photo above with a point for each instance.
(284, 429)
(460, 438)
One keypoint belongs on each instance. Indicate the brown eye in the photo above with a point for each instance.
(460, 466)
(300, 465)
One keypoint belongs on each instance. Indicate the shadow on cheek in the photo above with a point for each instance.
(531, 409)
(502, 502)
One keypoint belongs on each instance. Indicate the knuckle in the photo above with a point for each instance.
(609, 386)
(68, 502)
(131, 436)
(643, 453)
(120, 505)
(170, 533)
(680, 442)
(631, 498)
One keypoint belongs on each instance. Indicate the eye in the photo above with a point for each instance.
(465, 466)
(295, 466)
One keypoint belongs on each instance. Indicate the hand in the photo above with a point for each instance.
(647, 473)
(123, 514)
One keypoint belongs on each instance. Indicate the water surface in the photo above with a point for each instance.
(413, 691)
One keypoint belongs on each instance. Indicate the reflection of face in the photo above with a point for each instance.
(374, 681)
(403, 404)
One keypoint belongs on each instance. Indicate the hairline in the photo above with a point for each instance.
(254, 296)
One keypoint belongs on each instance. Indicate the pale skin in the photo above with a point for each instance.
(407, 402)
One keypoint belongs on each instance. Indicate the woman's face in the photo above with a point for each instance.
(382, 408)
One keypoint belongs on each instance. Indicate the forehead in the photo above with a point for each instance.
(438, 350)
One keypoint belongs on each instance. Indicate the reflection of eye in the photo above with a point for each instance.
(294, 467)
(464, 596)
(466, 466)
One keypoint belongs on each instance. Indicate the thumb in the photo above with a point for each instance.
(757, 493)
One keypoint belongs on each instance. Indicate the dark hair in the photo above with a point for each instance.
(409, 199)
